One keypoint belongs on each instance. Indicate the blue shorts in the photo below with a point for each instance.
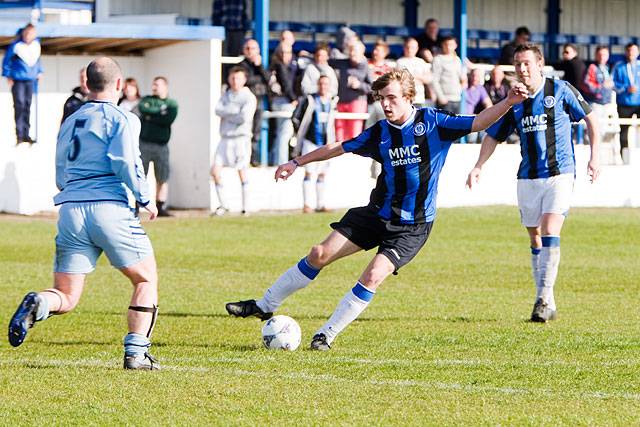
(86, 229)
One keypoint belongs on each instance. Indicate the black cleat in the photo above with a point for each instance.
(541, 312)
(246, 309)
(141, 362)
(319, 342)
(23, 319)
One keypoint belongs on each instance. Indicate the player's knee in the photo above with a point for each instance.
(374, 277)
(318, 256)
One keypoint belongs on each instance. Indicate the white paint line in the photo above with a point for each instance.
(428, 385)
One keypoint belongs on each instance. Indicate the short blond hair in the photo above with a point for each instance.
(400, 75)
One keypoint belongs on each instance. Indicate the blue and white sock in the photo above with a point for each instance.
(295, 278)
(549, 263)
(535, 266)
(43, 309)
(349, 308)
(136, 344)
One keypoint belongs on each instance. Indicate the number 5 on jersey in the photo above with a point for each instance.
(75, 140)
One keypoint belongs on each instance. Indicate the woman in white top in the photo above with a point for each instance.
(130, 95)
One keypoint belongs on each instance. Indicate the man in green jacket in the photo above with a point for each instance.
(157, 113)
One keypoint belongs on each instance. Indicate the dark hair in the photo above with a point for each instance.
(238, 69)
(571, 45)
(630, 44)
(101, 73)
(529, 47)
(430, 21)
(601, 47)
(523, 31)
(408, 39)
(447, 38)
(163, 78)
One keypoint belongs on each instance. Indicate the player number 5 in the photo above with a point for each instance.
(75, 140)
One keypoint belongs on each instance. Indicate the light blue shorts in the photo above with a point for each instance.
(86, 229)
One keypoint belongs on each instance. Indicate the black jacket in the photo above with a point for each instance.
(75, 101)
(257, 78)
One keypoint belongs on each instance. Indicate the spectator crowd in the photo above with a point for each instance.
(303, 91)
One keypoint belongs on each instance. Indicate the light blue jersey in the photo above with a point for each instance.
(98, 157)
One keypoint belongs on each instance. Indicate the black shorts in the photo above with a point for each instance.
(159, 155)
(400, 243)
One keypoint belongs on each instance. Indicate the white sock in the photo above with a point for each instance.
(549, 263)
(245, 195)
(535, 269)
(307, 190)
(349, 308)
(43, 308)
(220, 193)
(320, 193)
(295, 278)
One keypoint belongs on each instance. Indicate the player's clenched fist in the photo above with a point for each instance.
(517, 94)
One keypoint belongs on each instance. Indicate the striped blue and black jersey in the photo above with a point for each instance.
(317, 131)
(412, 156)
(543, 122)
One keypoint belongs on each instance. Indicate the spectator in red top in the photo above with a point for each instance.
(598, 90)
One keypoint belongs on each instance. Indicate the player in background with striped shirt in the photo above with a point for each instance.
(547, 171)
(98, 167)
(411, 144)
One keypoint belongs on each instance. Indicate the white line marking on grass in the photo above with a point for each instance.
(428, 385)
(417, 362)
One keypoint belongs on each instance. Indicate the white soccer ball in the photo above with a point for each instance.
(281, 333)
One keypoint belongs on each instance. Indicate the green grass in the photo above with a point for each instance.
(444, 343)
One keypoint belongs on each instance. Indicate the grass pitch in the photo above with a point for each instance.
(444, 343)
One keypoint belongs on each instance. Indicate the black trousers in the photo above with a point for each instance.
(22, 91)
(257, 131)
(625, 112)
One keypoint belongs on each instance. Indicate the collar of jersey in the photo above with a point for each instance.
(407, 122)
(100, 102)
(534, 94)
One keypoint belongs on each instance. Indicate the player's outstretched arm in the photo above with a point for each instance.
(487, 148)
(325, 152)
(486, 118)
(593, 167)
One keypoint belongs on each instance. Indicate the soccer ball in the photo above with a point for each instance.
(281, 333)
